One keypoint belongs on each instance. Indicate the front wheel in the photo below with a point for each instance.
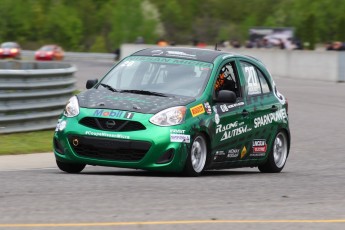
(197, 156)
(70, 167)
(277, 157)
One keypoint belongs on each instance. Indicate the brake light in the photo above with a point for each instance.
(1, 50)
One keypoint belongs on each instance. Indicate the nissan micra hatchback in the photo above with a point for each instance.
(177, 110)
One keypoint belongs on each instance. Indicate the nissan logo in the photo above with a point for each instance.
(110, 124)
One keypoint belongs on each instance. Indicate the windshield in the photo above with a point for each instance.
(8, 45)
(159, 75)
(47, 48)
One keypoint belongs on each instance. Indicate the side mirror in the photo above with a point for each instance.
(91, 83)
(226, 96)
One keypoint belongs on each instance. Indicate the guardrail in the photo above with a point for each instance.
(33, 94)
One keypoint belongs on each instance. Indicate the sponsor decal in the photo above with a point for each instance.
(235, 132)
(225, 108)
(243, 152)
(170, 60)
(178, 131)
(113, 113)
(102, 134)
(61, 125)
(180, 54)
(179, 138)
(208, 108)
(156, 52)
(216, 115)
(232, 129)
(233, 153)
(269, 118)
(197, 110)
(223, 128)
(127, 63)
(128, 115)
(259, 148)
(219, 153)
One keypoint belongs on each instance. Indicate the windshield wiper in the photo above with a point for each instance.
(145, 92)
(109, 87)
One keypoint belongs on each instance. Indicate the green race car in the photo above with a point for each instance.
(177, 110)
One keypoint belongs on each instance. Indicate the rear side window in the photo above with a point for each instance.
(256, 82)
(264, 85)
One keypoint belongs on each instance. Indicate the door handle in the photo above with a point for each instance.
(274, 108)
(245, 113)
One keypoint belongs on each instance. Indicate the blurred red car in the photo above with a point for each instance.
(49, 52)
(10, 50)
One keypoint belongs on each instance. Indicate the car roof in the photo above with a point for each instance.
(49, 45)
(206, 55)
(9, 44)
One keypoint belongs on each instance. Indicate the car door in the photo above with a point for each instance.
(231, 124)
(262, 107)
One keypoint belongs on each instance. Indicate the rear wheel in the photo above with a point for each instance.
(70, 167)
(277, 157)
(197, 156)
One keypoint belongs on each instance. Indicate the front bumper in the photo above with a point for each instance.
(149, 149)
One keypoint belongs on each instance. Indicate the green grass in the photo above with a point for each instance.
(29, 142)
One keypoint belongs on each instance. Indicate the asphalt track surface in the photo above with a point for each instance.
(308, 194)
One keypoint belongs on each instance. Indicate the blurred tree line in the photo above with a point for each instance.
(103, 25)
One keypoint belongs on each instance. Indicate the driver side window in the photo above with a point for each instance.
(227, 79)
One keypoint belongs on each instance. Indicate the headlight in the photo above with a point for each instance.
(168, 117)
(72, 107)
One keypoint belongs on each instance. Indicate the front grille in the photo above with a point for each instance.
(111, 124)
(109, 149)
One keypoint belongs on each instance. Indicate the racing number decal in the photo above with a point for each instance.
(252, 80)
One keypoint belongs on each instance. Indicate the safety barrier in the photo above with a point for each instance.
(33, 94)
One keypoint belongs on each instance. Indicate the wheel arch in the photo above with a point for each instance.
(208, 145)
(288, 135)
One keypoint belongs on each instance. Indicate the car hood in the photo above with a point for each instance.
(105, 99)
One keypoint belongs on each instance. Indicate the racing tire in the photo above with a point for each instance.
(277, 157)
(70, 167)
(197, 156)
